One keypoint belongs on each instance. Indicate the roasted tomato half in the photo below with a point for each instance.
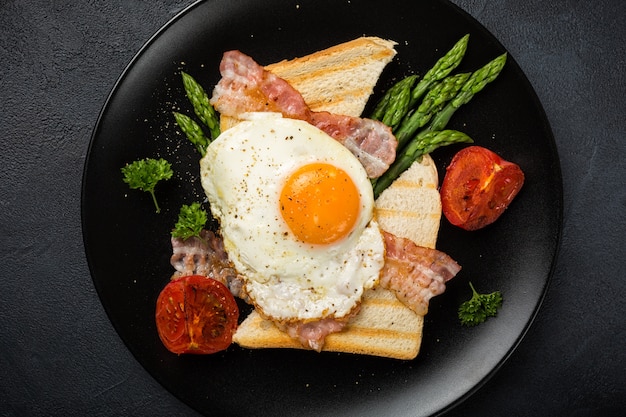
(196, 314)
(478, 187)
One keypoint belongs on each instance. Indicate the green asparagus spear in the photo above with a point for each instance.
(436, 139)
(437, 97)
(476, 82)
(201, 105)
(399, 107)
(193, 131)
(398, 101)
(382, 108)
(440, 70)
(425, 143)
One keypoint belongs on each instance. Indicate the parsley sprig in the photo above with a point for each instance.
(144, 174)
(479, 307)
(191, 221)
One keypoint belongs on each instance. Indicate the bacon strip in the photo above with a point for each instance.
(415, 273)
(369, 140)
(205, 255)
(313, 334)
(247, 87)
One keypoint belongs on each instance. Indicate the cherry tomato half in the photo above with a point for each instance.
(196, 314)
(478, 187)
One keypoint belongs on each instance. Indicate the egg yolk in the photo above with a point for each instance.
(320, 203)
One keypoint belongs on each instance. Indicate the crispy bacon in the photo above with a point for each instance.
(205, 255)
(247, 87)
(370, 141)
(313, 334)
(415, 273)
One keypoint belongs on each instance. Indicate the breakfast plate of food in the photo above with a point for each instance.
(311, 207)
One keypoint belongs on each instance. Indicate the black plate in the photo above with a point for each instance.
(127, 243)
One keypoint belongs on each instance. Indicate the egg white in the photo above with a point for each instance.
(243, 173)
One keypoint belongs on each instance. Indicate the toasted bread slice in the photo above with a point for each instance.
(411, 206)
(383, 327)
(340, 80)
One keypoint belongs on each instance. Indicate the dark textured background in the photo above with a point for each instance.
(59, 354)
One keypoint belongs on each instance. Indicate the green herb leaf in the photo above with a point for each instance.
(191, 221)
(479, 307)
(144, 174)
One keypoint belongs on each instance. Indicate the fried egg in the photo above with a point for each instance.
(295, 209)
